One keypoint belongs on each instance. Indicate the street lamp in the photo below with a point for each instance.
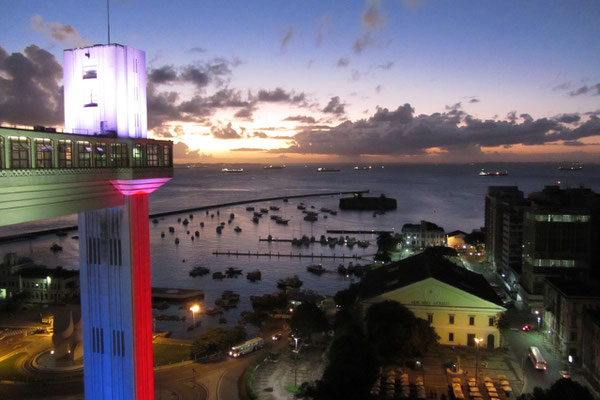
(194, 309)
(296, 363)
(477, 341)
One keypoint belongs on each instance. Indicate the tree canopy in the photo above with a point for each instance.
(560, 390)
(308, 319)
(216, 340)
(395, 332)
(386, 243)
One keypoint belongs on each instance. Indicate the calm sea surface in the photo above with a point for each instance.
(451, 196)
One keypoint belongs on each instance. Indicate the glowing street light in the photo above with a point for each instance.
(194, 309)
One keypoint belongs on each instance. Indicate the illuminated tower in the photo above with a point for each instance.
(105, 93)
(103, 169)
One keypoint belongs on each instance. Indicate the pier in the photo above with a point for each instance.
(358, 232)
(287, 255)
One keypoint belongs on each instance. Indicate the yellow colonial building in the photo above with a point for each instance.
(459, 304)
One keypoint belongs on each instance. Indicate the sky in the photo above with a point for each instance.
(323, 81)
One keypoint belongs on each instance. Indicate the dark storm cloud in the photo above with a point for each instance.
(64, 34)
(225, 132)
(196, 76)
(245, 114)
(305, 119)
(30, 93)
(343, 62)
(585, 89)
(574, 143)
(164, 74)
(335, 106)
(279, 95)
(401, 132)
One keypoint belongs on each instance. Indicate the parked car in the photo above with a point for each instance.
(565, 374)
(526, 328)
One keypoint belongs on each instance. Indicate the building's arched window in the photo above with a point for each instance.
(65, 154)
(138, 155)
(43, 153)
(152, 155)
(100, 155)
(84, 154)
(19, 152)
(119, 156)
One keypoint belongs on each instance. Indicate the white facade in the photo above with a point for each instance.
(105, 90)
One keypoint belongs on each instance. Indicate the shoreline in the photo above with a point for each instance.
(35, 234)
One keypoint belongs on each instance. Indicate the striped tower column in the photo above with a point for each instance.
(116, 300)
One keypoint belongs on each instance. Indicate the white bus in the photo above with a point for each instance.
(535, 355)
(246, 347)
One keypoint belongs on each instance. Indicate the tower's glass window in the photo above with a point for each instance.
(167, 156)
(118, 155)
(19, 152)
(65, 154)
(43, 153)
(90, 72)
(152, 155)
(137, 155)
(100, 155)
(84, 154)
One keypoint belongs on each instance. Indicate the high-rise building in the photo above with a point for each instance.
(503, 224)
(559, 231)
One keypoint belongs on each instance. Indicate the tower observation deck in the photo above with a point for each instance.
(103, 168)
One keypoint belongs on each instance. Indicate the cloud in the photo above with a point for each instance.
(372, 17)
(305, 119)
(197, 50)
(562, 86)
(361, 43)
(287, 38)
(335, 106)
(30, 90)
(386, 66)
(251, 149)
(225, 132)
(182, 153)
(279, 95)
(343, 62)
(585, 89)
(259, 135)
(323, 26)
(403, 133)
(162, 75)
(378, 89)
(63, 34)
(245, 114)
(568, 118)
(474, 100)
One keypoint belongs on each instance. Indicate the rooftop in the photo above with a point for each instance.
(420, 267)
(43, 272)
(574, 288)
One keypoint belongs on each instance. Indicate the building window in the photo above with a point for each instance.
(491, 321)
(65, 154)
(84, 154)
(167, 156)
(451, 337)
(90, 72)
(100, 156)
(118, 155)
(573, 335)
(19, 152)
(43, 153)
(137, 155)
(471, 320)
(152, 155)
(451, 319)
(2, 153)
(430, 318)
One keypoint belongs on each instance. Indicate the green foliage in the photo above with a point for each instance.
(386, 243)
(396, 333)
(256, 318)
(307, 319)
(560, 390)
(441, 251)
(216, 340)
(170, 353)
(347, 297)
(351, 369)
(475, 238)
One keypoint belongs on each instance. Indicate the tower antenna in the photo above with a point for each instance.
(108, 19)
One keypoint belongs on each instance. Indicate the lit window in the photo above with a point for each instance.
(100, 155)
(137, 155)
(118, 155)
(84, 154)
(19, 152)
(65, 154)
(43, 153)
(167, 156)
(152, 155)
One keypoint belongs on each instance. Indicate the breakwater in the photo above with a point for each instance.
(287, 255)
(32, 235)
